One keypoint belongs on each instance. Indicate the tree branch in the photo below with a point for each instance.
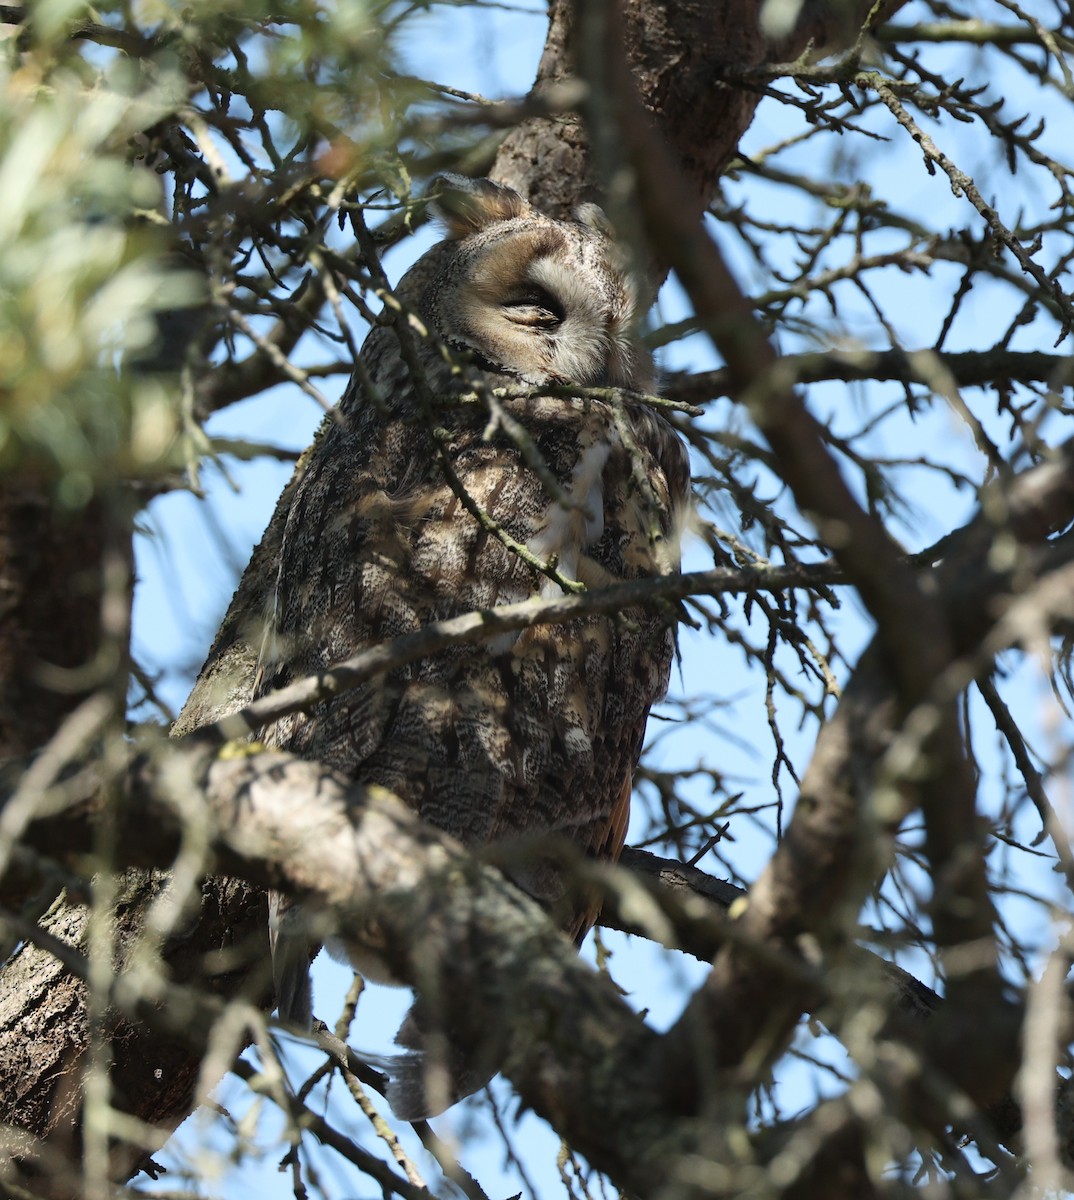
(488, 623)
(494, 971)
(989, 368)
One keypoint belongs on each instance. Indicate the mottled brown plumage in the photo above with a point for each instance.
(532, 733)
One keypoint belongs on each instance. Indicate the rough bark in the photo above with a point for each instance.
(45, 1025)
(44, 625)
(681, 54)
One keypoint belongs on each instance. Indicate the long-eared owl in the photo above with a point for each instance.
(413, 502)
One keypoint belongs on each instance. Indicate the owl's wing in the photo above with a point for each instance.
(292, 953)
(227, 680)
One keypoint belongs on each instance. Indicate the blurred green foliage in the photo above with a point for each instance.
(156, 159)
(82, 272)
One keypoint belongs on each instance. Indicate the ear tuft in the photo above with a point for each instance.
(595, 218)
(467, 205)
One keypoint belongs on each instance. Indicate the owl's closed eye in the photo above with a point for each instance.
(535, 299)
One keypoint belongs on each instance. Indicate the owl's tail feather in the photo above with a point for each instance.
(292, 953)
(422, 1086)
(429, 1076)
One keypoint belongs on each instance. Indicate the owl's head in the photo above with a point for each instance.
(535, 299)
